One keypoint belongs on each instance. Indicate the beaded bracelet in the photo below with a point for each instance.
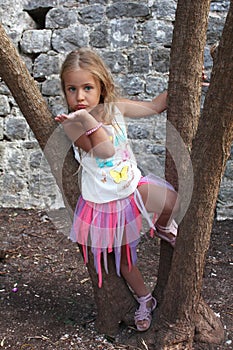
(89, 132)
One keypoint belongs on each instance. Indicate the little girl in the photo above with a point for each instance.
(114, 194)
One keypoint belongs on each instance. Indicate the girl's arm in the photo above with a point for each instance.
(86, 132)
(137, 109)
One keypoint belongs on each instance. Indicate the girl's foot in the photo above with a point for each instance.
(143, 314)
(167, 233)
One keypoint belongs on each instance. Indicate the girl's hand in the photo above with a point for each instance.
(80, 119)
(72, 128)
(61, 118)
(77, 116)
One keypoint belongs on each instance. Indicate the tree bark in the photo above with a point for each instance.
(184, 91)
(183, 313)
(114, 300)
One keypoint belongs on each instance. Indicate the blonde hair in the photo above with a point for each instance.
(87, 59)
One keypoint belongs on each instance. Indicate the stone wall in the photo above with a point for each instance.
(134, 39)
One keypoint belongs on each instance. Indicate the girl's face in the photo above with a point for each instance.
(82, 90)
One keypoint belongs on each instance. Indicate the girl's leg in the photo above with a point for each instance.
(133, 277)
(162, 201)
(135, 280)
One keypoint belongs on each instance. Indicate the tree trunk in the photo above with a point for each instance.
(114, 300)
(183, 313)
(183, 108)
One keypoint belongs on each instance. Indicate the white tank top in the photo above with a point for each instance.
(105, 180)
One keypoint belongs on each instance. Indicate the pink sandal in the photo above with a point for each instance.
(162, 232)
(143, 313)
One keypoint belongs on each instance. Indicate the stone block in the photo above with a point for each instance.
(4, 105)
(99, 37)
(3, 89)
(139, 61)
(16, 128)
(60, 18)
(47, 64)
(51, 86)
(229, 170)
(91, 14)
(116, 61)
(219, 6)
(127, 9)
(122, 33)
(68, 39)
(156, 32)
(161, 59)
(215, 27)
(35, 159)
(36, 41)
(131, 85)
(164, 9)
(156, 84)
(35, 4)
(57, 105)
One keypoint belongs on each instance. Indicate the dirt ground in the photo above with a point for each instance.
(46, 294)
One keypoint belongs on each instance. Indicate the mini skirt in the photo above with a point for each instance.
(106, 227)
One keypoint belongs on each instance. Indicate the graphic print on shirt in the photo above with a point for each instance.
(119, 176)
(104, 177)
(103, 163)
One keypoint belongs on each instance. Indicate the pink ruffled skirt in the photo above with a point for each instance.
(106, 227)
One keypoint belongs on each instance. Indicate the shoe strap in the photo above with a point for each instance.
(144, 299)
(143, 312)
(172, 228)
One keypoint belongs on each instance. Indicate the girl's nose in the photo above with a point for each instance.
(79, 95)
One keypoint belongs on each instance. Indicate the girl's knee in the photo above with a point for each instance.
(176, 202)
(172, 204)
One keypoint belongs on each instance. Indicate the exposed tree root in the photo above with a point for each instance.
(208, 327)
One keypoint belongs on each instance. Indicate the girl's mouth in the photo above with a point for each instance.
(78, 107)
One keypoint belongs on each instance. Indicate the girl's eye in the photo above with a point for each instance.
(71, 89)
(88, 88)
